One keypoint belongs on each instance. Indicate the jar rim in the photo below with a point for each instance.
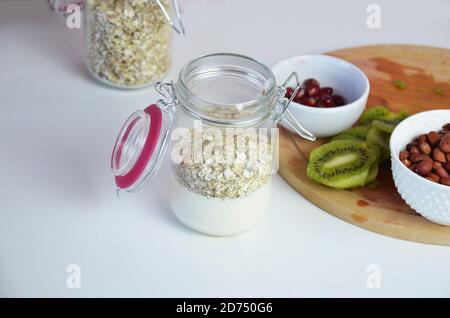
(239, 72)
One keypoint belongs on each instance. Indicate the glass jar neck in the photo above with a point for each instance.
(228, 90)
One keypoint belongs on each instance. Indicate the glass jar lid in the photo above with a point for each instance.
(141, 144)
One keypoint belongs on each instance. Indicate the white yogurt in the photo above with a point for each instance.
(219, 217)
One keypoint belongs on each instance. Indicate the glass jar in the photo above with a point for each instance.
(220, 119)
(128, 41)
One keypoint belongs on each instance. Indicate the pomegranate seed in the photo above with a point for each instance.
(300, 94)
(313, 90)
(327, 101)
(326, 90)
(289, 92)
(310, 81)
(309, 101)
(338, 100)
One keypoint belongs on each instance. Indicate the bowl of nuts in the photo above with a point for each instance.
(420, 154)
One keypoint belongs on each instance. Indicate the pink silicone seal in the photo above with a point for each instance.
(128, 179)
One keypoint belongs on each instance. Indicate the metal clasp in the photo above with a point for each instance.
(178, 28)
(285, 102)
(170, 101)
(167, 91)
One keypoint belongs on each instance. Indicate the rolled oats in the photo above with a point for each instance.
(128, 41)
(225, 179)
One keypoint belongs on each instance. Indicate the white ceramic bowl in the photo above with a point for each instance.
(431, 200)
(346, 79)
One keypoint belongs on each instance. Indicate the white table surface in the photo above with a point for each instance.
(57, 199)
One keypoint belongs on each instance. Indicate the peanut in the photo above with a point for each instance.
(422, 139)
(425, 148)
(404, 155)
(437, 164)
(433, 138)
(434, 177)
(444, 144)
(407, 163)
(445, 181)
(440, 171)
(417, 157)
(447, 166)
(424, 167)
(411, 144)
(415, 149)
(438, 155)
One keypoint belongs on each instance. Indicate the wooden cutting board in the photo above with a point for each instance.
(379, 209)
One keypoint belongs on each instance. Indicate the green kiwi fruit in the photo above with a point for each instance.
(372, 113)
(373, 172)
(352, 158)
(380, 139)
(342, 164)
(345, 137)
(353, 133)
(387, 127)
(389, 122)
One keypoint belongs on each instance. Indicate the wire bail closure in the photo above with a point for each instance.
(178, 25)
(167, 91)
(285, 102)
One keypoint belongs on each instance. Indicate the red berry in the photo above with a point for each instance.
(313, 90)
(326, 90)
(310, 81)
(309, 101)
(289, 92)
(338, 100)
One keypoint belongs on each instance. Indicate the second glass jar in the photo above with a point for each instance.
(128, 41)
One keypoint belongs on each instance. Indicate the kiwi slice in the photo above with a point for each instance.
(379, 139)
(346, 137)
(373, 172)
(372, 113)
(354, 133)
(387, 127)
(357, 131)
(389, 122)
(341, 164)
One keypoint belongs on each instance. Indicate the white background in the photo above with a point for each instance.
(57, 199)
